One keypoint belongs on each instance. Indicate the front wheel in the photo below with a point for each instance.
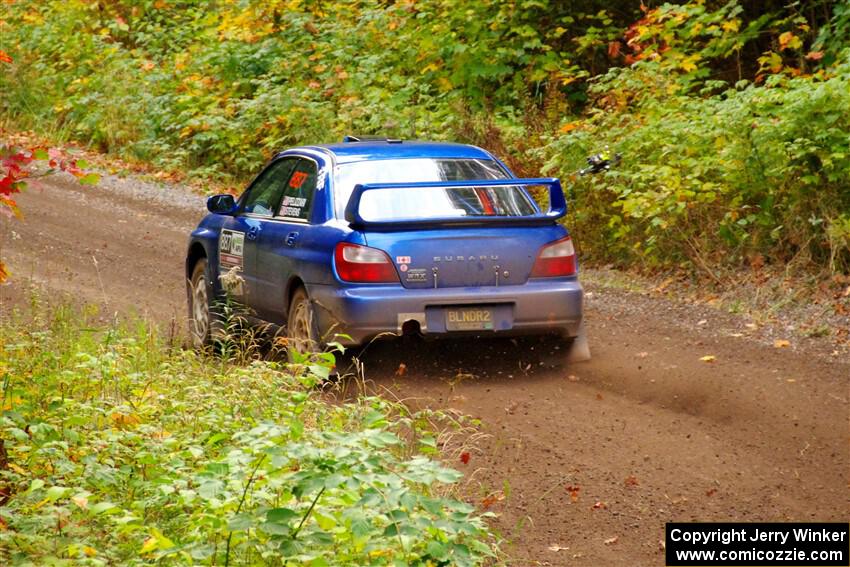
(200, 325)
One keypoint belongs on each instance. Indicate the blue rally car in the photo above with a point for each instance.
(346, 242)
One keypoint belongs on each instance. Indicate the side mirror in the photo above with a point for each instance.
(221, 204)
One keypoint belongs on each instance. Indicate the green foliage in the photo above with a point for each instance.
(217, 87)
(119, 450)
(715, 178)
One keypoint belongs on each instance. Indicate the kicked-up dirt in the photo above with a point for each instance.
(680, 416)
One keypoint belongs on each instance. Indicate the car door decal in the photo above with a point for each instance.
(291, 206)
(231, 247)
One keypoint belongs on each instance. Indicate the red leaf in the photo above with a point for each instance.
(464, 458)
(613, 49)
(815, 55)
(6, 185)
(4, 57)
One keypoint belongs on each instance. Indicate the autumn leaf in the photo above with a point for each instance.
(148, 546)
(731, 25)
(401, 370)
(781, 343)
(124, 420)
(690, 64)
(612, 540)
(16, 468)
(430, 67)
(4, 57)
(81, 500)
(491, 499)
(631, 480)
(573, 491)
(788, 40)
(772, 61)
(814, 55)
(464, 457)
(708, 358)
(569, 127)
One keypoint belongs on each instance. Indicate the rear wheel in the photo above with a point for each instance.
(301, 324)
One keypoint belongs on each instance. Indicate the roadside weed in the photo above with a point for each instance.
(116, 450)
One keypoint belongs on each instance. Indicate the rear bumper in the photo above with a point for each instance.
(551, 306)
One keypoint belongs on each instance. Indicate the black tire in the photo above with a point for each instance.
(301, 328)
(203, 320)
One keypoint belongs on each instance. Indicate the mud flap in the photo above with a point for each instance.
(578, 349)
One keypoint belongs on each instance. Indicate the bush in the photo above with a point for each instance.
(713, 179)
(117, 449)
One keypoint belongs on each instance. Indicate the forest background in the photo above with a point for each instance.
(732, 117)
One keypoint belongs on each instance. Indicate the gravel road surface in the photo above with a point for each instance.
(583, 465)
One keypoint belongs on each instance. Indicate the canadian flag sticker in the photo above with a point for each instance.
(402, 259)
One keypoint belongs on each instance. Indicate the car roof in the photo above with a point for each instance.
(347, 152)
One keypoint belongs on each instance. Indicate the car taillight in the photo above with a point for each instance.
(361, 264)
(555, 259)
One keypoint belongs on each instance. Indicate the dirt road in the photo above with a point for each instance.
(583, 465)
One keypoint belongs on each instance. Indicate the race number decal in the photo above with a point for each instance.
(297, 179)
(230, 249)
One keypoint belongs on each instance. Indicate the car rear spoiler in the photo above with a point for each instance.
(557, 205)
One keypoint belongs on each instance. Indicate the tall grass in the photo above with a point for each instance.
(118, 448)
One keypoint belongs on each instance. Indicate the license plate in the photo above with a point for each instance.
(469, 319)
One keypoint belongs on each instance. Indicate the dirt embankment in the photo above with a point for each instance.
(583, 464)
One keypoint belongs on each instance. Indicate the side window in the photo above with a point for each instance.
(299, 192)
(264, 194)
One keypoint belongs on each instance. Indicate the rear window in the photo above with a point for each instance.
(394, 204)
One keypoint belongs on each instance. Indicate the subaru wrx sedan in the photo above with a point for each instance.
(368, 238)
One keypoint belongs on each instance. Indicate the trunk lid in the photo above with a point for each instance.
(464, 256)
